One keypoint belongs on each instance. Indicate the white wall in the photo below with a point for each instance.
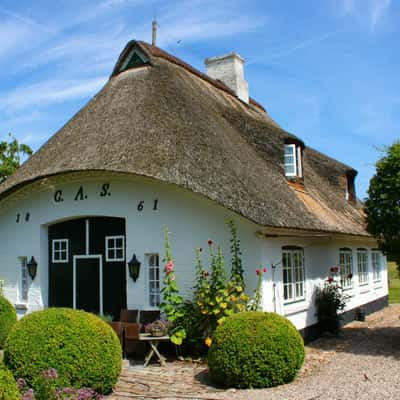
(191, 219)
(320, 254)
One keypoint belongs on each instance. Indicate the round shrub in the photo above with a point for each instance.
(255, 350)
(82, 348)
(8, 387)
(8, 317)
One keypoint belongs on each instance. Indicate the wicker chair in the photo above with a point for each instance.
(129, 315)
(131, 337)
(119, 330)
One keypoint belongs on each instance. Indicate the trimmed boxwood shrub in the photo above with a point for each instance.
(82, 348)
(8, 386)
(8, 317)
(255, 350)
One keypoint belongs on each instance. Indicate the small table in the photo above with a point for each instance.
(154, 341)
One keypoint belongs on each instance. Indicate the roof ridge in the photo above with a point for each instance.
(158, 52)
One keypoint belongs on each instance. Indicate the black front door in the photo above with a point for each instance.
(87, 290)
(96, 246)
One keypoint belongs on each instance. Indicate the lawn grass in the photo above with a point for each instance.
(394, 283)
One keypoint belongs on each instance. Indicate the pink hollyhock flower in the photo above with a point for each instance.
(169, 267)
(265, 269)
(258, 272)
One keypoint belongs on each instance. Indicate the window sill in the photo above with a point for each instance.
(21, 306)
(295, 307)
(364, 288)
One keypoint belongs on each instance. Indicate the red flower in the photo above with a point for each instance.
(330, 279)
(210, 242)
(258, 272)
(265, 270)
(335, 269)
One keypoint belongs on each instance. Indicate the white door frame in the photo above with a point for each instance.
(100, 258)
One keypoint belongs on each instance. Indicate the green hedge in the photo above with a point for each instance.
(8, 386)
(255, 350)
(82, 348)
(8, 317)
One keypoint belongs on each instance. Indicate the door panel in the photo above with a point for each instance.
(88, 284)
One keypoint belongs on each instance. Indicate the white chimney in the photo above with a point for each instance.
(229, 70)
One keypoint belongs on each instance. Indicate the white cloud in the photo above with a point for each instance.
(378, 10)
(16, 37)
(368, 12)
(49, 92)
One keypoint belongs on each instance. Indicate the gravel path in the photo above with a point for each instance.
(363, 364)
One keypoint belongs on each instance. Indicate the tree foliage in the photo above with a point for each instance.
(11, 152)
(383, 203)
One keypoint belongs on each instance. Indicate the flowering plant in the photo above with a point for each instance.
(48, 389)
(330, 302)
(255, 303)
(172, 300)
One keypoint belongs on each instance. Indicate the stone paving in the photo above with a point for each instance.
(363, 364)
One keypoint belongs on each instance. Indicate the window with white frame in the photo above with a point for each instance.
(153, 262)
(293, 162)
(376, 265)
(362, 266)
(60, 251)
(293, 274)
(115, 248)
(24, 279)
(346, 268)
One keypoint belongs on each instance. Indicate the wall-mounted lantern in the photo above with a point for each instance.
(134, 268)
(32, 268)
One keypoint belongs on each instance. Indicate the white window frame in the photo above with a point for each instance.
(115, 238)
(346, 268)
(376, 259)
(24, 293)
(362, 267)
(294, 285)
(293, 147)
(297, 160)
(60, 251)
(153, 293)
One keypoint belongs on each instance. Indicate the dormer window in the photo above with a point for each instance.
(293, 160)
(134, 59)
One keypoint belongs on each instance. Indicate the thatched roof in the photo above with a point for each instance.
(170, 122)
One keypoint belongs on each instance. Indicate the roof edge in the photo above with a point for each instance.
(265, 229)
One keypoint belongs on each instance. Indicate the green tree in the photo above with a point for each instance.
(11, 152)
(383, 203)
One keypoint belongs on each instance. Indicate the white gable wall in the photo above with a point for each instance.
(191, 219)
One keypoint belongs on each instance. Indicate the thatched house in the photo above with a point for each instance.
(164, 144)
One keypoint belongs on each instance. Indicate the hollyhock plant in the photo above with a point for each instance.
(172, 300)
(255, 304)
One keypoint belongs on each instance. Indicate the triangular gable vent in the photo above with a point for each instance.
(135, 58)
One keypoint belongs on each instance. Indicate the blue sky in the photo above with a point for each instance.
(326, 70)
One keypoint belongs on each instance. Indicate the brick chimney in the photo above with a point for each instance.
(229, 69)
